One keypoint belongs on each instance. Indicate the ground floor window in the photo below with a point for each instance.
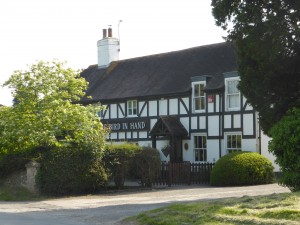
(200, 149)
(234, 143)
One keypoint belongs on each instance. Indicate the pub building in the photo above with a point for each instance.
(184, 103)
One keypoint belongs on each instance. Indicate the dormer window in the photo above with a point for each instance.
(132, 108)
(198, 96)
(232, 94)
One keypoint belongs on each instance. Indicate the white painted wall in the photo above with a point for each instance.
(248, 124)
(152, 108)
(210, 107)
(108, 51)
(202, 122)
(213, 125)
(227, 121)
(144, 112)
(185, 122)
(194, 122)
(173, 106)
(237, 121)
(182, 108)
(249, 145)
(212, 150)
(113, 112)
(265, 152)
(122, 106)
(163, 107)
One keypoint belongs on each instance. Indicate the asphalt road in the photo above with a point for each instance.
(112, 208)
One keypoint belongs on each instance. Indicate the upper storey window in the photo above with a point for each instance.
(198, 96)
(232, 94)
(132, 108)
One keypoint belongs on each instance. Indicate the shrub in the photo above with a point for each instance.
(67, 170)
(285, 145)
(117, 159)
(147, 164)
(15, 161)
(242, 168)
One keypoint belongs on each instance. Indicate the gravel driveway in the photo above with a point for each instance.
(111, 208)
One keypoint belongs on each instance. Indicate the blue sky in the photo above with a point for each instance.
(68, 30)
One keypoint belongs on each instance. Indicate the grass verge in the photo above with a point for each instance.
(264, 210)
(11, 193)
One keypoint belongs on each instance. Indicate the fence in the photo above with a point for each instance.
(184, 173)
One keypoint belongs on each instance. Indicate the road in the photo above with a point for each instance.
(112, 208)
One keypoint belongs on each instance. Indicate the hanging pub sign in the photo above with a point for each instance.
(127, 124)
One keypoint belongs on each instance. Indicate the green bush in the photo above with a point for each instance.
(147, 163)
(285, 145)
(68, 170)
(242, 168)
(117, 159)
(15, 161)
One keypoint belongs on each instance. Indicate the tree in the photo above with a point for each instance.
(267, 37)
(285, 145)
(45, 114)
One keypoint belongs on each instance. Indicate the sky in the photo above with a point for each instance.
(68, 30)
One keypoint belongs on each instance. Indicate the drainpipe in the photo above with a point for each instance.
(259, 137)
(220, 124)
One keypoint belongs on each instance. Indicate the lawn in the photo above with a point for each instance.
(272, 209)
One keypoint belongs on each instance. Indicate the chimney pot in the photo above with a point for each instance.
(104, 33)
(109, 32)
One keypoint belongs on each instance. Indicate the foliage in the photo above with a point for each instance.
(267, 36)
(127, 161)
(271, 209)
(147, 164)
(285, 145)
(47, 119)
(16, 161)
(117, 157)
(242, 168)
(71, 170)
(45, 113)
(16, 193)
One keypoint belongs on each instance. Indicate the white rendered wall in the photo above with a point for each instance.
(173, 106)
(108, 51)
(182, 108)
(152, 108)
(249, 145)
(265, 152)
(113, 111)
(213, 128)
(163, 107)
(212, 150)
(248, 124)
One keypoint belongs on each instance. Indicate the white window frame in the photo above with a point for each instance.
(234, 148)
(201, 97)
(131, 109)
(200, 148)
(228, 95)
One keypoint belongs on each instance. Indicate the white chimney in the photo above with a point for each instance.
(108, 49)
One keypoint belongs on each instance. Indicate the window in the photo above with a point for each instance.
(234, 143)
(132, 108)
(232, 94)
(199, 96)
(200, 150)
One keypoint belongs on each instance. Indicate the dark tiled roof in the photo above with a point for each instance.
(161, 74)
(168, 125)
